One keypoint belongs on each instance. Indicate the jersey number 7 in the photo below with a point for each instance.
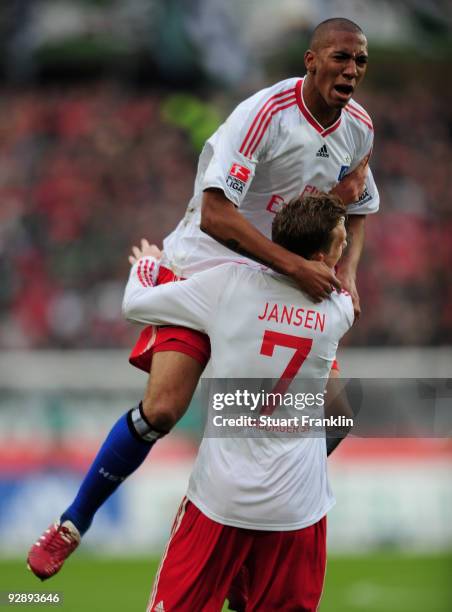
(302, 348)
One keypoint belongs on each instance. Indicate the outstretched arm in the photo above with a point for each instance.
(223, 222)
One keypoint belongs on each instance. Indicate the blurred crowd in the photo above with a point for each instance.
(405, 275)
(87, 171)
(84, 174)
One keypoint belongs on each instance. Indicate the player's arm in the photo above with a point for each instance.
(360, 193)
(348, 264)
(190, 303)
(337, 405)
(223, 222)
(337, 400)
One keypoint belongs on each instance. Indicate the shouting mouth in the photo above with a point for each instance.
(343, 91)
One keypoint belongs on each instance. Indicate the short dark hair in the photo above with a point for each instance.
(304, 226)
(334, 24)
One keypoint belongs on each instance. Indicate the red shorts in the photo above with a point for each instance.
(169, 338)
(274, 570)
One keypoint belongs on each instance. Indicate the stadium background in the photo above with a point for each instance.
(104, 107)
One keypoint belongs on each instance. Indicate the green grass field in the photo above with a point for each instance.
(376, 583)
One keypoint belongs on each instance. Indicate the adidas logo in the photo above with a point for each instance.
(323, 152)
(159, 607)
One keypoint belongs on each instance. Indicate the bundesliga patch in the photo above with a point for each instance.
(238, 177)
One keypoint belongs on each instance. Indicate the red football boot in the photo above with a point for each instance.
(47, 555)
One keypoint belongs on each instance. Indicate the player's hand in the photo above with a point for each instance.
(143, 250)
(316, 279)
(350, 188)
(349, 284)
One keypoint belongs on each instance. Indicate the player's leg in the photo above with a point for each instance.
(198, 564)
(172, 382)
(287, 569)
(170, 387)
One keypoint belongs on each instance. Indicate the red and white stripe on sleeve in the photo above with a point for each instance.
(262, 118)
(356, 111)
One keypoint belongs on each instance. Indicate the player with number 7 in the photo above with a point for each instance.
(254, 504)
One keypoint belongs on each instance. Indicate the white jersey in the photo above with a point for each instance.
(270, 150)
(255, 483)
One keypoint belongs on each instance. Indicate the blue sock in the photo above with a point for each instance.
(123, 451)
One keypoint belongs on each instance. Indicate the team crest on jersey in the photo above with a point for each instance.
(238, 176)
(342, 172)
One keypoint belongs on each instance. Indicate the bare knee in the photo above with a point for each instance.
(164, 411)
(172, 382)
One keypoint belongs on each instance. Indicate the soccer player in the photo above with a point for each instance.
(254, 504)
(300, 136)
